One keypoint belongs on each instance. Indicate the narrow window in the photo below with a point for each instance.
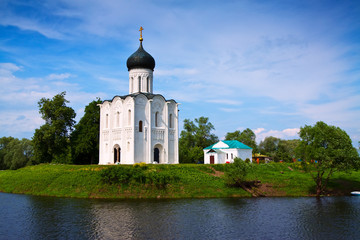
(118, 119)
(139, 84)
(156, 119)
(227, 156)
(140, 126)
(128, 146)
(107, 120)
(232, 156)
(170, 121)
(131, 85)
(129, 117)
(148, 84)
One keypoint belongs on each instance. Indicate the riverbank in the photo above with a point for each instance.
(166, 181)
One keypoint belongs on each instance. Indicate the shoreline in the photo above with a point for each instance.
(194, 181)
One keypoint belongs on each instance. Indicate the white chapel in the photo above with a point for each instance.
(141, 126)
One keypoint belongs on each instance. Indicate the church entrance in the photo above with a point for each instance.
(117, 154)
(156, 155)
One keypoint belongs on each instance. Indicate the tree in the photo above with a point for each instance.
(269, 146)
(194, 138)
(247, 137)
(235, 173)
(286, 149)
(85, 137)
(330, 148)
(15, 153)
(51, 140)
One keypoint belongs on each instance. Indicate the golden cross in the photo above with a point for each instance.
(141, 29)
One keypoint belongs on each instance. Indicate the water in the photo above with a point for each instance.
(30, 217)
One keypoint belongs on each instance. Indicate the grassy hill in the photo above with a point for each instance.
(164, 181)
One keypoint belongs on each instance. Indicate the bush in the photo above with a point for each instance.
(236, 172)
(247, 160)
(138, 174)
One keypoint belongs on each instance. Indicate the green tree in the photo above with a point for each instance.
(194, 138)
(332, 150)
(235, 173)
(51, 140)
(85, 137)
(269, 146)
(247, 137)
(15, 153)
(286, 149)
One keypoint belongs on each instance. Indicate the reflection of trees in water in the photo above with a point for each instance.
(60, 218)
(261, 218)
(330, 218)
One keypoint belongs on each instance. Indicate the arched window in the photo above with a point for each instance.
(117, 119)
(140, 126)
(157, 119)
(129, 117)
(107, 121)
(132, 84)
(139, 84)
(148, 84)
(170, 121)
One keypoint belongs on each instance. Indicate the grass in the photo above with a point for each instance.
(187, 181)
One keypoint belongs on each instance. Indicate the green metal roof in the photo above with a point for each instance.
(231, 144)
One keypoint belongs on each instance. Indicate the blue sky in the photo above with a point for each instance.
(271, 66)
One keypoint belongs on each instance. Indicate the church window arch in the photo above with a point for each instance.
(148, 84)
(131, 84)
(139, 84)
(171, 121)
(107, 121)
(140, 126)
(129, 117)
(157, 119)
(117, 119)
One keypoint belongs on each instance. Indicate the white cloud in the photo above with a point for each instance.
(289, 133)
(61, 76)
(224, 101)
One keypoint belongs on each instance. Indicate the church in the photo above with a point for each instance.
(141, 126)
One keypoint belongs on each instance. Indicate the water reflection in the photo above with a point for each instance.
(29, 217)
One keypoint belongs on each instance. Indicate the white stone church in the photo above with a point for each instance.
(141, 126)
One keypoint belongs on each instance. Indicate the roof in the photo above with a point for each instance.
(140, 59)
(147, 95)
(228, 144)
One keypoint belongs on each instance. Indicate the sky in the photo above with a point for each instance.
(271, 66)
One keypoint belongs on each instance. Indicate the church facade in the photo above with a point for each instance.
(141, 126)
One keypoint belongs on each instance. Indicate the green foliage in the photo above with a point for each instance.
(194, 138)
(51, 140)
(235, 173)
(15, 153)
(269, 146)
(247, 137)
(286, 150)
(85, 181)
(139, 174)
(332, 150)
(85, 137)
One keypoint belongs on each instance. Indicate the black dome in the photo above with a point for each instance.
(140, 59)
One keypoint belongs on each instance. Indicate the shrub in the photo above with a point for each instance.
(247, 160)
(138, 174)
(236, 172)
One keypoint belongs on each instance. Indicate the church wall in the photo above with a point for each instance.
(141, 114)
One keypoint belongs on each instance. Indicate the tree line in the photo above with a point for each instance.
(60, 140)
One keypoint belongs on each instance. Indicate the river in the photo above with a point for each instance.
(32, 217)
